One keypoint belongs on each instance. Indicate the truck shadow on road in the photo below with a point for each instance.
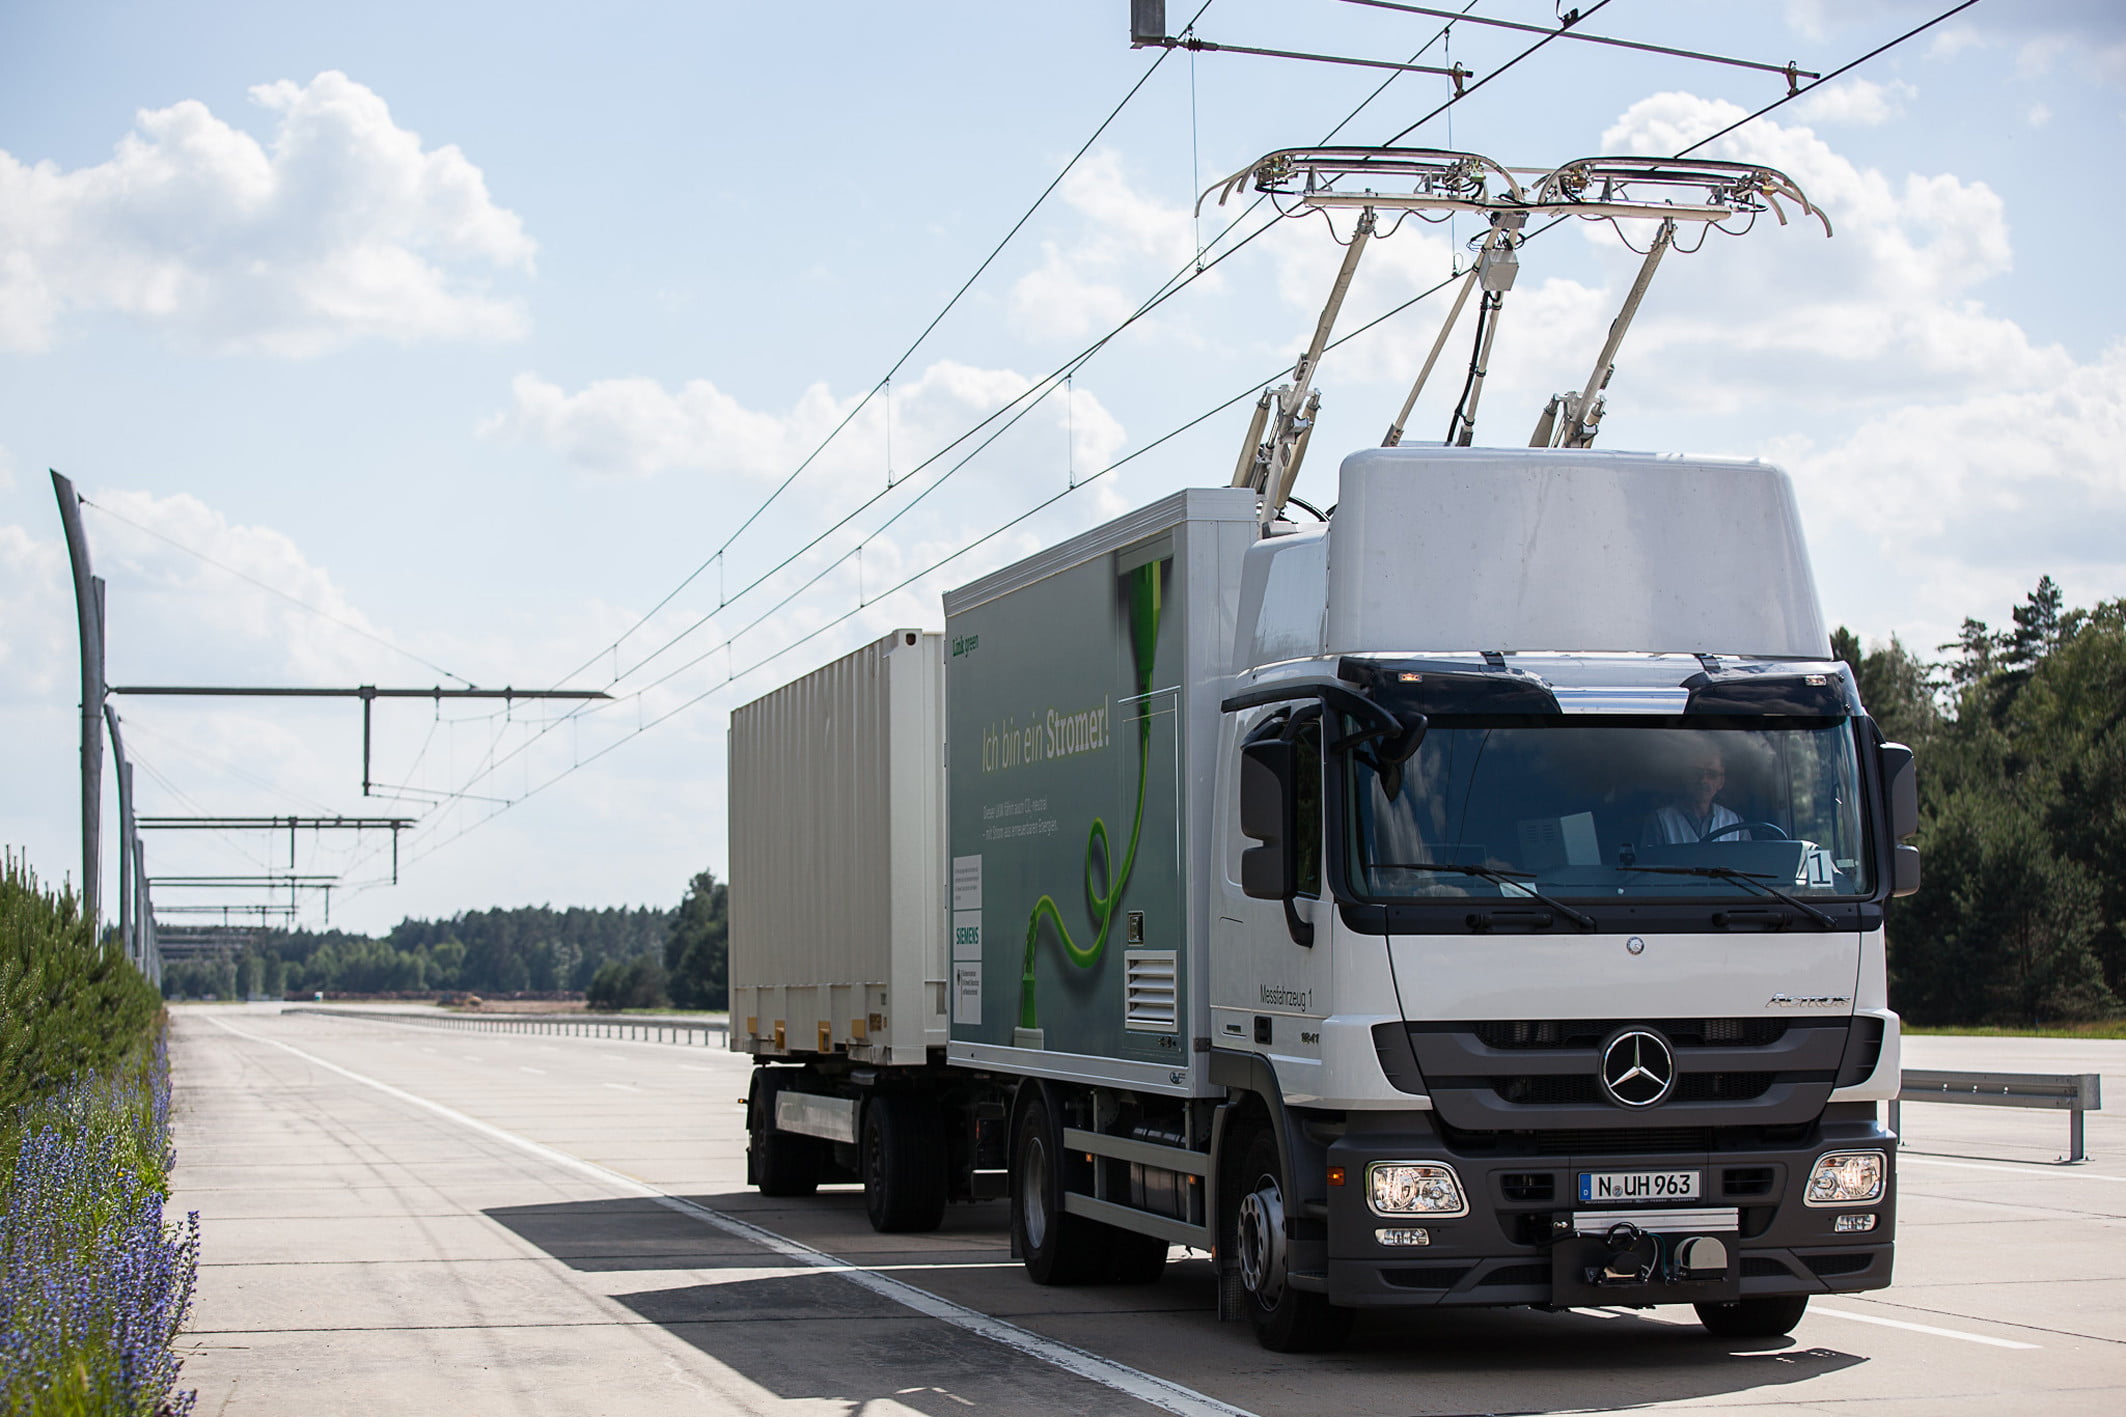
(801, 1332)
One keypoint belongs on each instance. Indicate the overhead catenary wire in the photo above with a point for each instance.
(1466, 91)
(1566, 31)
(1954, 10)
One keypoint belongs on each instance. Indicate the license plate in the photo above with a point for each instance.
(1639, 1185)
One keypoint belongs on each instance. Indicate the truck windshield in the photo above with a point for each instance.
(1598, 810)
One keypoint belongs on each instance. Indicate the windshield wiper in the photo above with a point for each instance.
(1729, 873)
(1498, 877)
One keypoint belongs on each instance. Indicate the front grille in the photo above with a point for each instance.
(1547, 1089)
(1723, 1087)
(1627, 1141)
(1430, 1277)
(1589, 1033)
(1528, 1185)
(1826, 1265)
(1516, 1274)
(1635, 1140)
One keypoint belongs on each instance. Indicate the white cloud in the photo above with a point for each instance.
(2038, 116)
(344, 228)
(1857, 101)
(1936, 511)
(638, 427)
(1885, 310)
(2036, 57)
(36, 616)
(1078, 288)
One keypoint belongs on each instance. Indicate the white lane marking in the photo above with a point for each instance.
(1145, 1387)
(1918, 1328)
(697, 1068)
(2035, 1168)
(523, 1069)
(624, 1086)
(471, 1058)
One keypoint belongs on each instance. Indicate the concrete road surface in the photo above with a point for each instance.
(402, 1219)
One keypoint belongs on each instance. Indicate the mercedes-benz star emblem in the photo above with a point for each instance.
(1637, 1069)
(1635, 945)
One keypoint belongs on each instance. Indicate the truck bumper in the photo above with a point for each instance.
(1520, 1242)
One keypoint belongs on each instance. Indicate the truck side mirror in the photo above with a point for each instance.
(1904, 870)
(1900, 790)
(1268, 766)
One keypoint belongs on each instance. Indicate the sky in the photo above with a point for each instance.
(412, 344)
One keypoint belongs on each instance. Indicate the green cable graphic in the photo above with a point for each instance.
(1143, 583)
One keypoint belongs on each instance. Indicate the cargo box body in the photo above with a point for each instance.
(837, 922)
(1082, 690)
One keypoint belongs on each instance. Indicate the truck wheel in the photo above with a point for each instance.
(1286, 1320)
(1771, 1317)
(1058, 1248)
(904, 1164)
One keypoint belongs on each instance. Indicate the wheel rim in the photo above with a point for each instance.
(1262, 1266)
(1033, 1192)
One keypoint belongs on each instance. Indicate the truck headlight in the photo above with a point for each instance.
(1414, 1188)
(1846, 1178)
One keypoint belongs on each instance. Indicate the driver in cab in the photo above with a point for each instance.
(1695, 813)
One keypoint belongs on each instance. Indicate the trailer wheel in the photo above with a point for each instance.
(1058, 1248)
(904, 1164)
(1286, 1320)
(1772, 1316)
(779, 1163)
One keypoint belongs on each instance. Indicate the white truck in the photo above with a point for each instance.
(1474, 897)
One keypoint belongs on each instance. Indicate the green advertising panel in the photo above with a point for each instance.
(1068, 930)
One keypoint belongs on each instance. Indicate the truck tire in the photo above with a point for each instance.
(1772, 1316)
(787, 1165)
(903, 1158)
(1286, 1320)
(1057, 1248)
(779, 1163)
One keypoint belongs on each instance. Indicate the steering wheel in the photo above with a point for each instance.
(1778, 832)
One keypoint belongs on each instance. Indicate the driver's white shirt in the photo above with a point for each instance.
(1678, 828)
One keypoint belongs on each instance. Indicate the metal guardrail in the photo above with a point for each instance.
(683, 1032)
(2073, 1093)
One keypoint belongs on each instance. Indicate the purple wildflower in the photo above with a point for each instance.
(94, 1285)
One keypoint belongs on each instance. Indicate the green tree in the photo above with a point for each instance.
(696, 952)
(638, 983)
(2022, 781)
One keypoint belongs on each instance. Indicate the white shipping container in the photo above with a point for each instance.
(837, 912)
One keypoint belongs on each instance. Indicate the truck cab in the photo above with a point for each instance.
(1548, 955)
